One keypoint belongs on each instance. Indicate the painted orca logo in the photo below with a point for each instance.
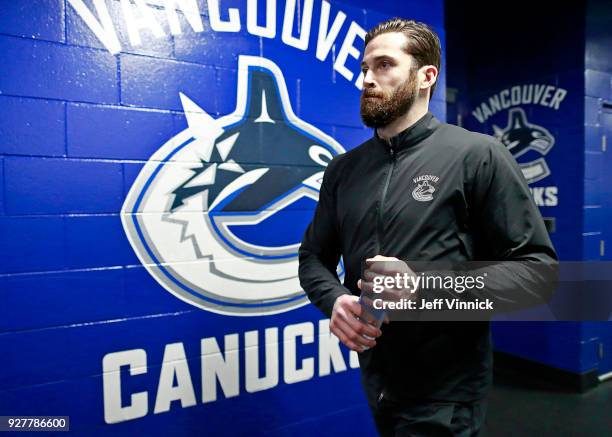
(218, 212)
(519, 137)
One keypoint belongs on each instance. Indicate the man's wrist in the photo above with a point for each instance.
(333, 297)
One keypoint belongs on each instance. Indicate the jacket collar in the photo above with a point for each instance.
(416, 133)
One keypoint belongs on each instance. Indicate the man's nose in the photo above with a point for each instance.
(368, 79)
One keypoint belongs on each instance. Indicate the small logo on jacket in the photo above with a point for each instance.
(424, 190)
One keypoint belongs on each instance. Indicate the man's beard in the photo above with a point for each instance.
(388, 108)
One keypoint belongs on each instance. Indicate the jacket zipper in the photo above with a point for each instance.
(381, 208)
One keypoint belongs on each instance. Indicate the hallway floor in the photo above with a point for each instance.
(523, 408)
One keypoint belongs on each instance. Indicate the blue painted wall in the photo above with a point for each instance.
(77, 126)
(598, 178)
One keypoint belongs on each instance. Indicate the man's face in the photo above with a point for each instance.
(390, 80)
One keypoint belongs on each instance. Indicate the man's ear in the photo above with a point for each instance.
(428, 75)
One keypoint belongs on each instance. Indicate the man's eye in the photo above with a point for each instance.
(385, 64)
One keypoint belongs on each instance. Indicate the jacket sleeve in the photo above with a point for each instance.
(509, 234)
(319, 252)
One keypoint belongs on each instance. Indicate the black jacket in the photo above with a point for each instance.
(433, 192)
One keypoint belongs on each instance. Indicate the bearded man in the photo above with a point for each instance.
(418, 190)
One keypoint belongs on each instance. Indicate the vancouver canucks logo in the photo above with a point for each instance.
(519, 137)
(218, 212)
(425, 189)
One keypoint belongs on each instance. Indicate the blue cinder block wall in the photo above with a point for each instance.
(598, 160)
(86, 330)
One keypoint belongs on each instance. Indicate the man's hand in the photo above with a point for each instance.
(382, 266)
(349, 322)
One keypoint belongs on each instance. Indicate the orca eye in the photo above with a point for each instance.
(320, 155)
(538, 134)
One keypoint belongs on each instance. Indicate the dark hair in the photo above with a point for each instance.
(422, 42)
